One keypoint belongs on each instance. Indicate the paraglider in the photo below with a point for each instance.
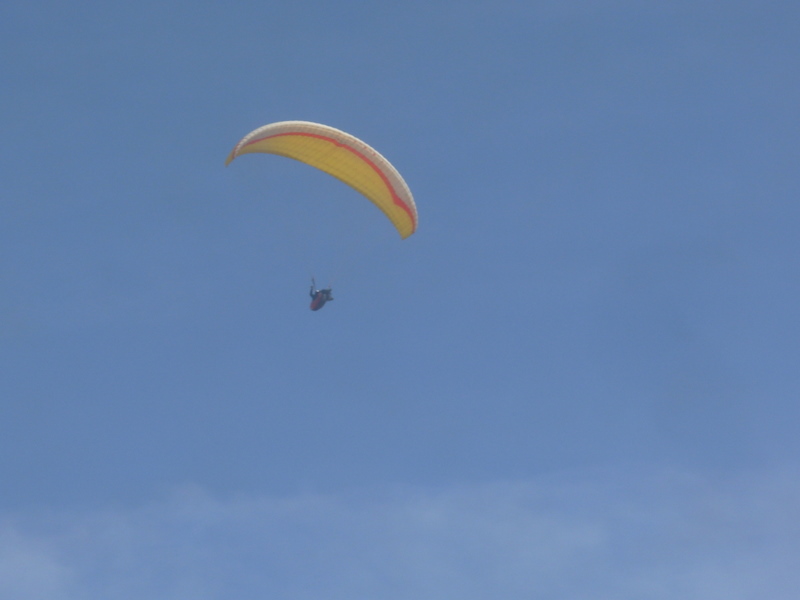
(343, 156)
(319, 297)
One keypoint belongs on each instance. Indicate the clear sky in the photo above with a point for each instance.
(578, 379)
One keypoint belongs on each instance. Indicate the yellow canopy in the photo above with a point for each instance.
(345, 157)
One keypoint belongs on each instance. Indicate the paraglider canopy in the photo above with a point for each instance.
(345, 157)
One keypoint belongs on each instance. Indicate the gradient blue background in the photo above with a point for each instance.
(603, 293)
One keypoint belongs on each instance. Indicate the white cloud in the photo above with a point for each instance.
(595, 537)
(30, 568)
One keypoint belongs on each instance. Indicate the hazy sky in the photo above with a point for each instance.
(578, 379)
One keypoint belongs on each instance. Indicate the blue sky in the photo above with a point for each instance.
(578, 379)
